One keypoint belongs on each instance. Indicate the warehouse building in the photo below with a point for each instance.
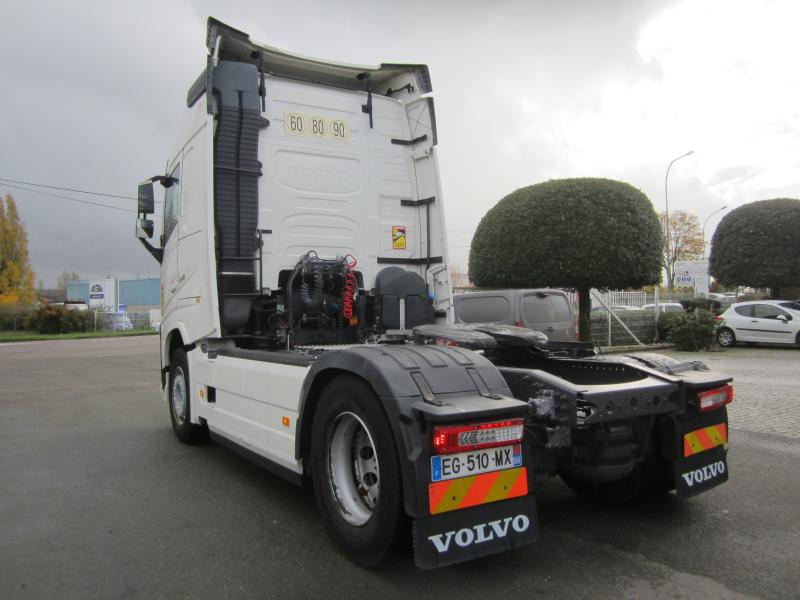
(132, 295)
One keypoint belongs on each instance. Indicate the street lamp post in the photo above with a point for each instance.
(704, 227)
(666, 220)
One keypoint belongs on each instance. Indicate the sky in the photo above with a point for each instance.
(525, 91)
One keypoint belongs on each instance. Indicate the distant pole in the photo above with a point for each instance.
(704, 227)
(666, 220)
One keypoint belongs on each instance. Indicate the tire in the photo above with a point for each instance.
(355, 470)
(179, 405)
(726, 338)
(651, 477)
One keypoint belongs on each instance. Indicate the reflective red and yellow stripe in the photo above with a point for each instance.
(704, 439)
(464, 492)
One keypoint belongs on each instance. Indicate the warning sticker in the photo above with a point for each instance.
(399, 237)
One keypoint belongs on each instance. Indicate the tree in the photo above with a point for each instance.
(758, 245)
(685, 241)
(16, 276)
(64, 279)
(569, 233)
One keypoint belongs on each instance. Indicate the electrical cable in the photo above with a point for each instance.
(65, 189)
(17, 187)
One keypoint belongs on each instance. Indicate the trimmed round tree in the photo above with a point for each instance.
(758, 245)
(569, 233)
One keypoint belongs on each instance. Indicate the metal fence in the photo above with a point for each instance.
(128, 321)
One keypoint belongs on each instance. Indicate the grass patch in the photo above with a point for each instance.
(32, 336)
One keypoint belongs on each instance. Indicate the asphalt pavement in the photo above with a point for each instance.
(99, 500)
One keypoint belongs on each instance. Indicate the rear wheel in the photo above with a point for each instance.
(355, 470)
(726, 338)
(179, 404)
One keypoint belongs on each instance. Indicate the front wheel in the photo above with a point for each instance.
(726, 338)
(179, 404)
(355, 470)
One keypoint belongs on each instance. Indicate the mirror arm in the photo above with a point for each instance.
(157, 253)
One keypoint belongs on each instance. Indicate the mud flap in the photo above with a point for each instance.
(462, 535)
(701, 452)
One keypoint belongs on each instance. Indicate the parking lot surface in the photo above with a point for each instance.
(99, 500)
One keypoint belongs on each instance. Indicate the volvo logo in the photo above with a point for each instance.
(477, 534)
(704, 474)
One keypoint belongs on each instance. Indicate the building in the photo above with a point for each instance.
(136, 295)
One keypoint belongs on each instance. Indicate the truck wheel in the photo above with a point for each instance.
(355, 470)
(650, 477)
(726, 338)
(179, 405)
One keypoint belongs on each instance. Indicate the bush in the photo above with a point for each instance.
(13, 317)
(707, 304)
(666, 321)
(58, 319)
(692, 332)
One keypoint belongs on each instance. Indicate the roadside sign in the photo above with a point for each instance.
(692, 274)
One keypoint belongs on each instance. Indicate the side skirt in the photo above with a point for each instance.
(259, 460)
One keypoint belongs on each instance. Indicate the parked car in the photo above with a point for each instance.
(665, 307)
(723, 299)
(121, 323)
(790, 304)
(766, 321)
(544, 310)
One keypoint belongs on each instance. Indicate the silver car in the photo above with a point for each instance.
(544, 310)
(762, 321)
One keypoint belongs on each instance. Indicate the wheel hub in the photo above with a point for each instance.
(179, 396)
(353, 469)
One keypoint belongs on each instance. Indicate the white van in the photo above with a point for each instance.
(545, 310)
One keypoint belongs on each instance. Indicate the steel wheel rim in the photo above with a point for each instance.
(179, 396)
(353, 469)
(725, 338)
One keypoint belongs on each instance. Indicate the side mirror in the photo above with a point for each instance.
(147, 202)
(144, 229)
(783, 318)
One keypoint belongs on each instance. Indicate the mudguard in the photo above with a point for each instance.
(466, 534)
(701, 449)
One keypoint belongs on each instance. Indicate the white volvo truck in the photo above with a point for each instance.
(307, 324)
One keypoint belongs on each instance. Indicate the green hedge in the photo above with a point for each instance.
(689, 331)
(58, 319)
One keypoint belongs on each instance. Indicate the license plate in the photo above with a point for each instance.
(463, 464)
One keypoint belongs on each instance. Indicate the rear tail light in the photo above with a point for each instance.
(519, 324)
(712, 399)
(462, 438)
